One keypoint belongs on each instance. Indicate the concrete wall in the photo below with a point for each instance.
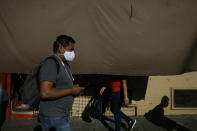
(159, 86)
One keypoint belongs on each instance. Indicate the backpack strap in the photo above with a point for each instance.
(56, 61)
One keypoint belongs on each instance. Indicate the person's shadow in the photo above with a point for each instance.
(157, 117)
(86, 115)
(39, 128)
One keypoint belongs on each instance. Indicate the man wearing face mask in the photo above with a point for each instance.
(56, 87)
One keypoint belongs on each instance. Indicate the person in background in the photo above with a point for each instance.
(3, 105)
(118, 88)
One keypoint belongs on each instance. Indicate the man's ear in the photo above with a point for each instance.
(61, 49)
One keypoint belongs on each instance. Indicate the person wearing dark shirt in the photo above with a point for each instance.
(57, 90)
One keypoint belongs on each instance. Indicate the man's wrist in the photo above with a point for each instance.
(69, 91)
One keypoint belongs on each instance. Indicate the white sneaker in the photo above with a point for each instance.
(131, 125)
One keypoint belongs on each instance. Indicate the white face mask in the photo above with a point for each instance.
(69, 56)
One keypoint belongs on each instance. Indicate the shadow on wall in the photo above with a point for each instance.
(156, 116)
(137, 85)
(39, 128)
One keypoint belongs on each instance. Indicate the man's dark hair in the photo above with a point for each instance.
(63, 40)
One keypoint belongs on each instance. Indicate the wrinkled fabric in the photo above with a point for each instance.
(120, 37)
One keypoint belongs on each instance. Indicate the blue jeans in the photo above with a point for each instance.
(54, 123)
(115, 106)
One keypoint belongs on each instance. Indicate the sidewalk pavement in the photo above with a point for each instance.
(77, 124)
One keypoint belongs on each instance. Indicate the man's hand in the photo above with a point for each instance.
(126, 101)
(76, 90)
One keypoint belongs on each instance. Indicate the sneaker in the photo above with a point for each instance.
(131, 125)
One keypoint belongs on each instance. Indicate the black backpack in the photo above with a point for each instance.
(96, 108)
(30, 90)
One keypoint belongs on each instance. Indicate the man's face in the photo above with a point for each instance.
(68, 56)
(70, 47)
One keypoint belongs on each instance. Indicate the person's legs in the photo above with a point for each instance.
(115, 108)
(130, 121)
(62, 124)
(45, 121)
(116, 104)
(125, 117)
(55, 123)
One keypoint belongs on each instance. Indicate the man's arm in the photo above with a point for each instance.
(126, 99)
(47, 91)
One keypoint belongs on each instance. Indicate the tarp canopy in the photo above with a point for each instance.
(119, 37)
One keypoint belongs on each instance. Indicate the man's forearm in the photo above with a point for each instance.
(125, 88)
(53, 93)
